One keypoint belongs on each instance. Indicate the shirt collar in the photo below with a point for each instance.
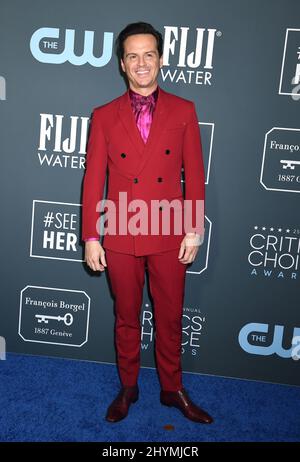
(137, 96)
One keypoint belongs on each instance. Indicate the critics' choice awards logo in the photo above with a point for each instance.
(62, 143)
(263, 339)
(290, 69)
(193, 323)
(280, 169)
(55, 316)
(187, 52)
(55, 231)
(274, 252)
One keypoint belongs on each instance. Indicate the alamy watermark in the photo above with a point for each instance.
(152, 217)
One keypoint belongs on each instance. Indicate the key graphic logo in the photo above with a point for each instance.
(280, 170)
(54, 316)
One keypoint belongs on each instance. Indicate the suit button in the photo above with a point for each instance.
(167, 151)
(123, 155)
(135, 180)
(159, 179)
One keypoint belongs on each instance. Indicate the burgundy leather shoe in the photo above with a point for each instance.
(120, 406)
(181, 400)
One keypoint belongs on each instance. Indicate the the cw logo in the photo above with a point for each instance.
(45, 34)
(255, 330)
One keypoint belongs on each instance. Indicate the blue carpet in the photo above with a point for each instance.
(53, 399)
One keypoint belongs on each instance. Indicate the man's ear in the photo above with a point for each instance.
(161, 59)
(122, 65)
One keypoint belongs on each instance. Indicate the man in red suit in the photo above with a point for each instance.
(143, 139)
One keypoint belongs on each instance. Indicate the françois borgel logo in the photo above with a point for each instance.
(62, 141)
(274, 252)
(193, 323)
(280, 169)
(188, 55)
(55, 316)
(55, 231)
(290, 68)
(262, 339)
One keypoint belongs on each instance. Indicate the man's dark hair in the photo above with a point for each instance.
(137, 28)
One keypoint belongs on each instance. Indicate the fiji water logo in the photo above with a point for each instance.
(254, 339)
(47, 46)
(188, 55)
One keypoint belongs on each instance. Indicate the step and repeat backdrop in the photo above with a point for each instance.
(239, 61)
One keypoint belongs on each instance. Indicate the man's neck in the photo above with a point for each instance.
(144, 91)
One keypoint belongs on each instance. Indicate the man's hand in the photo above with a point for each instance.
(95, 256)
(189, 248)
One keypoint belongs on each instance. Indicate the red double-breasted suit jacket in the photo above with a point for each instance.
(146, 171)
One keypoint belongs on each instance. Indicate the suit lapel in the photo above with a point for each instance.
(159, 119)
(128, 120)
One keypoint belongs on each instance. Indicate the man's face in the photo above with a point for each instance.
(141, 62)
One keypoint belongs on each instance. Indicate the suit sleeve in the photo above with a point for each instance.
(194, 177)
(94, 179)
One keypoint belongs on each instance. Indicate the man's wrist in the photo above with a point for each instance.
(194, 238)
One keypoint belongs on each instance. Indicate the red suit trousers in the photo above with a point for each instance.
(166, 280)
